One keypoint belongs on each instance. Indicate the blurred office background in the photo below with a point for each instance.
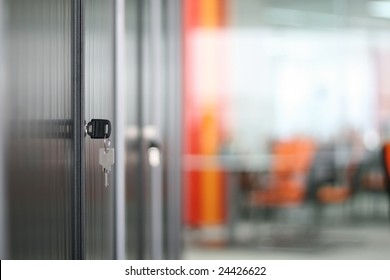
(286, 110)
(243, 129)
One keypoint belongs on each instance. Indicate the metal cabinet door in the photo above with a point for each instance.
(58, 56)
(153, 190)
(64, 67)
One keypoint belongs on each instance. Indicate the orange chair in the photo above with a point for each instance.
(287, 178)
(283, 188)
(386, 166)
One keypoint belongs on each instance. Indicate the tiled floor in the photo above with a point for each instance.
(358, 230)
(353, 242)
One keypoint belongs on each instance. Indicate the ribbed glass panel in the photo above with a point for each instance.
(99, 94)
(38, 140)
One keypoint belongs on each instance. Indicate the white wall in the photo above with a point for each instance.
(299, 82)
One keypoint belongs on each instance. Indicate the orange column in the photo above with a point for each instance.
(204, 190)
(190, 129)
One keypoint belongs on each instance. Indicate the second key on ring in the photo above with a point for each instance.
(106, 160)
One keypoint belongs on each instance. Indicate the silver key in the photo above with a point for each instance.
(106, 160)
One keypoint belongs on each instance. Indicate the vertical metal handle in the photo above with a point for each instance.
(156, 233)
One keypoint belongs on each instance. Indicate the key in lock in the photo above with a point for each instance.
(106, 160)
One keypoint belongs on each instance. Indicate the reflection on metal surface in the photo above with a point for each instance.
(154, 156)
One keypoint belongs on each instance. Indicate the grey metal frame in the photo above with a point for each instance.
(140, 194)
(120, 128)
(174, 94)
(156, 178)
(78, 232)
(3, 206)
